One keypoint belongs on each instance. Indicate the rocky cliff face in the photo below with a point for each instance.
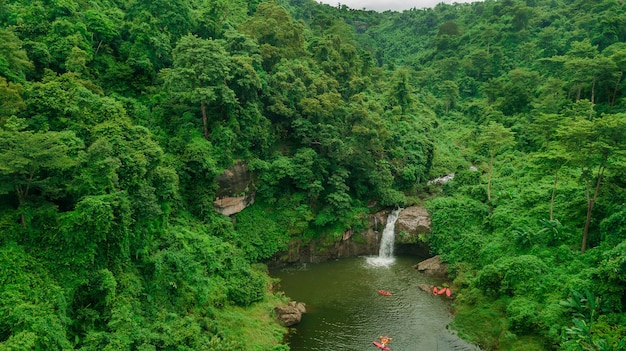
(235, 193)
(350, 245)
(411, 222)
(234, 190)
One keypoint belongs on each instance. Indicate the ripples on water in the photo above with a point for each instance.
(346, 312)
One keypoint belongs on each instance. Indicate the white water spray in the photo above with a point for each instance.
(385, 253)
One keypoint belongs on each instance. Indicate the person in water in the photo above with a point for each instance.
(440, 291)
(384, 340)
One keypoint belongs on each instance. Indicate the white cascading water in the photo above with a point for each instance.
(385, 253)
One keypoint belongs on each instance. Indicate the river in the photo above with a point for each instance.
(346, 312)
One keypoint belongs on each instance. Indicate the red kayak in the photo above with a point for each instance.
(381, 346)
(384, 292)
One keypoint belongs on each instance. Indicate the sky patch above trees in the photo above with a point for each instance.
(394, 5)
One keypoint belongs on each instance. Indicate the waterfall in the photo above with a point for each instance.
(389, 235)
(385, 253)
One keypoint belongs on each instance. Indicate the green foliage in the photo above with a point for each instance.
(276, 32)
(107, 175)
(522, 316)
(512, 276)
(487, 320)
(259, 235)
(32, 306)
(197, 170)
(14, 62)
(457, 226)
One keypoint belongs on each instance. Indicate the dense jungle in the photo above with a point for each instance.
(116, 117)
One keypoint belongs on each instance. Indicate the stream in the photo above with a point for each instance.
(346, 312)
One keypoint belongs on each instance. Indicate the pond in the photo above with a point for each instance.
(345, 311)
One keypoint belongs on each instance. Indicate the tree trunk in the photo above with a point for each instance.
(590, 202)
(593, 96)
(593, 91)
(205, 121)
(556, 179)
(21, 197)
(489, 171)
(619, 79)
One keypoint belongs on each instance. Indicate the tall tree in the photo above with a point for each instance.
(494, 138)
(14, 62)
(200, 75)
(594, 145)
(617, 53)
(554, 158)
(31, 162)
(586, 69)
(449, 92)
(276, 32)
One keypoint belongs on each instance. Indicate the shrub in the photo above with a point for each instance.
(523, 315)
(512, 276)
(457, 227)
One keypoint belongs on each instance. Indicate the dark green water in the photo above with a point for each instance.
(346, 312)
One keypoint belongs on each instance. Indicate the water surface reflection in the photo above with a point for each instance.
(346, 312)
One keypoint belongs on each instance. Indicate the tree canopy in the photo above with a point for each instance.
(116, 118)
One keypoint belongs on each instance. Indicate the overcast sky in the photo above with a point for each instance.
(397, 5)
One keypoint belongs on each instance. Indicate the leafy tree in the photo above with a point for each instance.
(199, 76)
(449, 91)
(400, 91)
(33, 305)
(617, 55)
(495, 139)
(276, 32)
(14, 62)
(586, 68)
(518, 91)
(551, 96)
(214, 17)
(593, 145)
(555, 158)
(197, 169)
(11, 98)
(32, 164)
(171, 17)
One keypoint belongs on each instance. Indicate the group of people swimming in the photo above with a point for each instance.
(385, 339)
(440, 291)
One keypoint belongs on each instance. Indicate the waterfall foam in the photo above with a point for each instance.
(385, 253)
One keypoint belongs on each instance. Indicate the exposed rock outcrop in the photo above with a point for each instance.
(291, 313)
(412, 222)
(433, 266)
(441, 180)
(357, 244)
(234, 190)
(231, 205)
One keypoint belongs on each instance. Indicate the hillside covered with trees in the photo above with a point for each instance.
(117, 117)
